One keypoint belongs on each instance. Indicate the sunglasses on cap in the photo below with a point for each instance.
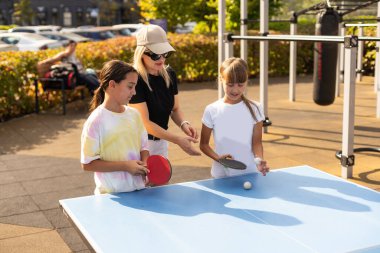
(156, 57)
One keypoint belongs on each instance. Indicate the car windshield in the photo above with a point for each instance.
(107, 35)
(73, 36)
(33, 36)
(125, 32)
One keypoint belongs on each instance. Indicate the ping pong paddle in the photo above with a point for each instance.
(233, 164)
(160, 170)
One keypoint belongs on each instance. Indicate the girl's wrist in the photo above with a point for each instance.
(183, 123)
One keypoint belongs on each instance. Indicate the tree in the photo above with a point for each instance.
(233, 8)
(23, 13)
(181, 11)
(130, 12)
(295, 5)
(174, 11)
(207, 12)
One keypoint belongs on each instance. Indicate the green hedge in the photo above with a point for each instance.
(195, 60)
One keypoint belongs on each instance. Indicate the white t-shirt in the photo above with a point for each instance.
(111, 136)
(73, 59)
(232, 126)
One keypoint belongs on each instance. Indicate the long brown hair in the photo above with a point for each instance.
(112, 70)
(235, 70)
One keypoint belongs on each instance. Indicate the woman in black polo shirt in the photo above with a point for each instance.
(157, 93)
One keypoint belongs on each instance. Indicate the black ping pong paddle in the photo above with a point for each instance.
(232, 164)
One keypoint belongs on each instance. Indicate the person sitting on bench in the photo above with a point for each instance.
(85, 77)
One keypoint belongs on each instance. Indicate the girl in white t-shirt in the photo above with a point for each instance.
(236, 124)
(114, 141)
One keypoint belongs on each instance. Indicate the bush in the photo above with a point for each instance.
(18, 70)
(6, 27)
(196, 59)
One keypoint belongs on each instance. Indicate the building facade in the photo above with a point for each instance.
(72, 13)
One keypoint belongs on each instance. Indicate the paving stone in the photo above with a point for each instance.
(17, 205)
(50, 200)
(39, 154)
(72, 239)
(11, 190)
(32, 219)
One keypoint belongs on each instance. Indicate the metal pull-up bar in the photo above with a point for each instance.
(311, 38)
(350, 48)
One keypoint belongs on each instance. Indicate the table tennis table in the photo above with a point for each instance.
(296, 209)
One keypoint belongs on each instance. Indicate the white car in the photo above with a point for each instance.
(65, 37)
(6, 47)
(29, 41)
(188, 27)
(35, 29)
(133, 28)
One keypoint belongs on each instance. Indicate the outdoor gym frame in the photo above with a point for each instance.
(225, 50)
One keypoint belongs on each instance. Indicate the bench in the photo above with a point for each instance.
(66, 82)
(57, 84)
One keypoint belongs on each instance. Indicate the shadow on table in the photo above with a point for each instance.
(183, 200)
(307, 187)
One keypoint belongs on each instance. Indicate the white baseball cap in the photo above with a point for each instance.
(154, 38)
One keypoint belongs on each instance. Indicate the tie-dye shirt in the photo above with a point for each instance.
(111, 136)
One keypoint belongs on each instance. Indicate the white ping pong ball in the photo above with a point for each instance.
(247, 185)
(257, 160)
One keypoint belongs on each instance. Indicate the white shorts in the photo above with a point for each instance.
(159, 147)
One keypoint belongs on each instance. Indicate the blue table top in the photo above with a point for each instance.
(297, 209)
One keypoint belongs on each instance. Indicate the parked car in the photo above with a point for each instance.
(86, 26)
(65, 37)
(188, 27)
(133, 28)
(29, 41)
(4, 47)
(121, 31)
(96, 33)
(35, 29)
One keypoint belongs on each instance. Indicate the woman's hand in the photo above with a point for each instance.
(185, 144)
(189, 130)
(136, 167)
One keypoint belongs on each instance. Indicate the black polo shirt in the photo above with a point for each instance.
(160, 101)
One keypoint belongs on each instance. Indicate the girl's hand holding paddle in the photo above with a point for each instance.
(136, 167)
(226, 156)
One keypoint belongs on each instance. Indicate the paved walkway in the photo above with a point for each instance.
(39, 157)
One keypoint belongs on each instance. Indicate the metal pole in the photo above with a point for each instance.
(293, 62)
(229, 46)
(221, 31)
(377, 64)
(359, 65)
(340, 53)
(243, 29)
(378, 101)
(264, 58)
(37, 106)
(341, 63)
(347, 159)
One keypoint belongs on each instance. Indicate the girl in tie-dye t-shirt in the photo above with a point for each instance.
(114, 140)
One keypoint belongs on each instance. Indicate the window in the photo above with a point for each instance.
(10, 40)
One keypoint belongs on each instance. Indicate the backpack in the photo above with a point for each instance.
(63, 71)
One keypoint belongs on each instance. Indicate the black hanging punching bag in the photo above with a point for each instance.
(325, 58)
